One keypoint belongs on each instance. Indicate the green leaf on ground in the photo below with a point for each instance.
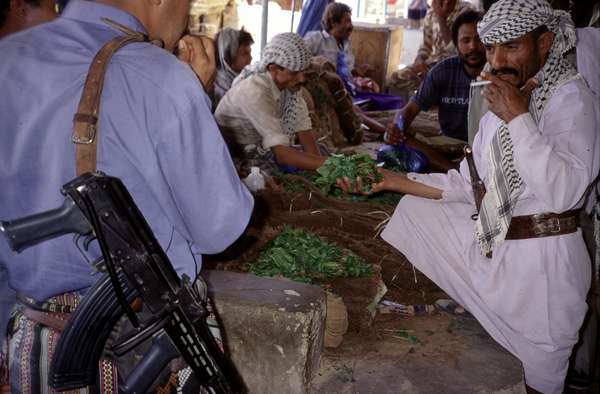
(305, 257)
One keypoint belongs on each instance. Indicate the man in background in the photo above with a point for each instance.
(234, 53)
(264, 111)
(16, 15)
(447, 84)
(437, 45)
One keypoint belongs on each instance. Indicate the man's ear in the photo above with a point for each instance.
(272, 67)
(545, 41)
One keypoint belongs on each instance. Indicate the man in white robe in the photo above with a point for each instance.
(536, 154)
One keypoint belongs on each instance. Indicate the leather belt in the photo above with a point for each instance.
(543, 225)
(56, 321)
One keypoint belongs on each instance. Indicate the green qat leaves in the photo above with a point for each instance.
(305, 257)
(340, 166)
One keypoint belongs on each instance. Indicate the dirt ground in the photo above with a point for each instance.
(354, 225)
(385, 353)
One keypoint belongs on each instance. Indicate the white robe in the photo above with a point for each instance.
(530, 296)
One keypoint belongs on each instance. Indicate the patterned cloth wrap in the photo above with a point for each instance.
(333, 104)
(508, 20)
(227, 47)
(31, 347)
(286, 50)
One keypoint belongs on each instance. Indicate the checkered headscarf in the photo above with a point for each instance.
(286, 50)
(507, 20)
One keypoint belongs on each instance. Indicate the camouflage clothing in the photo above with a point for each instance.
(406, 81)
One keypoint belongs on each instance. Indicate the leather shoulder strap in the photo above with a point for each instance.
(85, 121)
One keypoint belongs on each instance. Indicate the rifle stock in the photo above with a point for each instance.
(137, 267)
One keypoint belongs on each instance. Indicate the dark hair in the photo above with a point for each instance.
(5, 8)
(245, 38)
(487, 4)
(334, 14)
(468, 16)
(538, 31)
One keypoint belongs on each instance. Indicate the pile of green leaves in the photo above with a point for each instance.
(340, 166)
(305, 257)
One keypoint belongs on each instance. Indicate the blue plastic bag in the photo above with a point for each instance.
(402, 157)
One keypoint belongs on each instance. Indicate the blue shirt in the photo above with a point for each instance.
(321, 43)
(156, 133)
(447, 86)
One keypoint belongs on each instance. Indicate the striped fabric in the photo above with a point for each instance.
(31, 347)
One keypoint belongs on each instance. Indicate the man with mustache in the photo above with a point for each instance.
(520, 266)
(437, 45)
(447, 84)
(264, 111)
(333, 42)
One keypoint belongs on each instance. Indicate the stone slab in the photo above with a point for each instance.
(273, 329)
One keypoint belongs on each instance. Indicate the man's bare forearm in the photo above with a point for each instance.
(292, 157)
(401, 184)
(308, 142)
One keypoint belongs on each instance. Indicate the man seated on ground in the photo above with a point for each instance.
(447, 84)
(16, 15)
(234, 53)
(521, 268)
(437, 45)
(264, 111)
(333, 42)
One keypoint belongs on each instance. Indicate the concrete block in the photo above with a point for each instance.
(273, 329)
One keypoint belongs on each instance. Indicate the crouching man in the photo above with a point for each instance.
(521, 268)
(264, 111)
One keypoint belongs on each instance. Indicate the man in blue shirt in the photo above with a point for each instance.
(447, 84)
(156, 133)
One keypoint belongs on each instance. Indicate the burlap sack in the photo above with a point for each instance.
(336, 321)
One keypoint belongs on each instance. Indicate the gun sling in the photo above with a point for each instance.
(85, 121)
(101, 206)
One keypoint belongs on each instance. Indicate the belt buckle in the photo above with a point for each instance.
(86, 139)
(548, 226)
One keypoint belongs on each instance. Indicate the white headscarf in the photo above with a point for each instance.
(227, 47)
(286, 50)
(507, 20)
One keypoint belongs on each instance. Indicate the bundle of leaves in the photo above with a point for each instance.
(305, 257)
(340, 166)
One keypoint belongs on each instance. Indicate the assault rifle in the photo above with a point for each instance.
(100, 206)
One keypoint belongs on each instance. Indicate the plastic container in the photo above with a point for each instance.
(255, 181)
(402, 157)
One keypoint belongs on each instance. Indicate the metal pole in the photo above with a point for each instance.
(293, 11)
(264, 24)
(385, 10)
(358, 8)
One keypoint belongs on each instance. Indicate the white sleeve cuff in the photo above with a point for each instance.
(272, 140)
